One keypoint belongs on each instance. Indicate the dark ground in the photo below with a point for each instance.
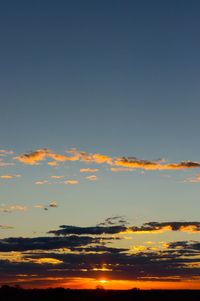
(59, 294)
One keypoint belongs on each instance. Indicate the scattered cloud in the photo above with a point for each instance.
(91, 178)
(5, 164)
(86, 252)
(39, 206)
(196, 179)
(53, 163)
(71, 182)
(89, 170)
(12, 208)
(4, 152)
(53, 204)
(57, 177)
(42, 182)
(117, 169)
(8, 177)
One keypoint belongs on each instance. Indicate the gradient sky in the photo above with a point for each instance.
(115, 78)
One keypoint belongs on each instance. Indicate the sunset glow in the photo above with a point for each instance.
(99, 155)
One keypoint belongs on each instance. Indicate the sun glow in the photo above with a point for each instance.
(103, 281)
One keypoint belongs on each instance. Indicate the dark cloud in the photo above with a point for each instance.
(114, 220)
(84, 252)
(110, 227)
(96, 230)
(46, 243)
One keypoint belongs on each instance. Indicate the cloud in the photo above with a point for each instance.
(154, 165)
(116, 225)
(57, 177)
(45, 243)
(53, 204)
(47, 261)
(119, 163)
(6, 227)
(117, 169)
(4, 152)
(156, 227)
(42, 182)
(89, 170)
(84, 252)
(114, 220)
(8, 177)
(71, 182)
(53, 163)
(33, 158)
(96, 230)
(12, 208)
(5, 164)
(38, 206)
(196, 179)
(91, 178)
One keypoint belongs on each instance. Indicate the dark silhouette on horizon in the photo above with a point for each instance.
(16, 293)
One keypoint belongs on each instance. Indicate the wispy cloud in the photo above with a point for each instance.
(71, 182)
(196, 179)
(88, 170)
(10, 176)
(91, 178)
(12, 208)
(6, 227)
(5, 164)
(117, 169)
(4, 152)
(42, 182)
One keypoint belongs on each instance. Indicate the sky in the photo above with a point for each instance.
(99, 153)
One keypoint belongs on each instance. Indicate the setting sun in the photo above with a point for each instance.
(103, 281)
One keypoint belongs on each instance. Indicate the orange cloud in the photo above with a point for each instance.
(89, 169)
(34, 157)
(8, 177)
(196, 179)
(71, 182)
(122, 162)
(41, 182)
(92, 178)
(154, 165)
(116, 169)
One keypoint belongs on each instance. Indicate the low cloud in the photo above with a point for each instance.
(6, 227)
(117, 226)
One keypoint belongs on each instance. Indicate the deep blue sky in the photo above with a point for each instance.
(120, 77)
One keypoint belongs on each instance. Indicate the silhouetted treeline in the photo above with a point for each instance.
(8, 293)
